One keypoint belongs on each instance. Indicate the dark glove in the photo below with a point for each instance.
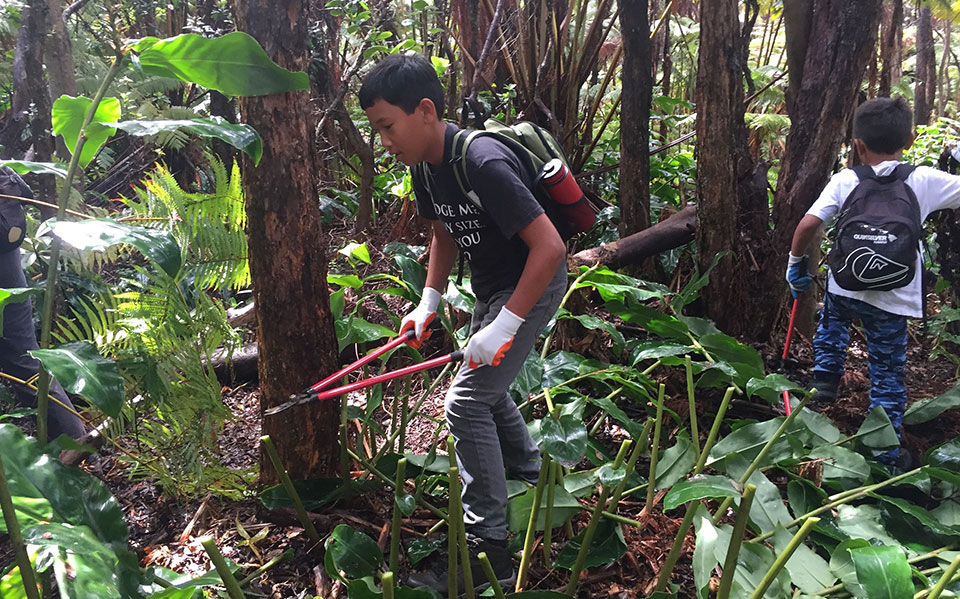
(798, 274)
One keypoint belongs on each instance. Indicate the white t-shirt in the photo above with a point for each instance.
(935, 190)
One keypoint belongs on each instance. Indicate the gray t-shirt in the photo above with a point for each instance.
(487, 238)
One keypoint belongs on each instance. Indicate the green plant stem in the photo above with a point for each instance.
(655, 450)
(691, 401)
(785, 555)
(291, 490)
(620, 519)
(938, 588)
(271, 563)
(602, 414)
(389, 482)
(563, 302)
(491, 576)
(16, 538)
(531, 532)
(461, 536)
(566, 383)
(667, 569)
(651, 368)
(229, 580)
(592, 525)
(49, 296)
(761, 456)
(397, 514)
(858, 493)
(714, 431)
(567, 525)
(548, 514)
(736, 539)
(387, 582)
(638, 446)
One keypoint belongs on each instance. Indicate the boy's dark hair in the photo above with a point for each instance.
(884, 124)
(402, 80)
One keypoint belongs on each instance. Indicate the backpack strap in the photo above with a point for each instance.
(458, 160)
(864, 172)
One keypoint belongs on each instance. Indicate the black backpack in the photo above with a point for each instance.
(878, 233)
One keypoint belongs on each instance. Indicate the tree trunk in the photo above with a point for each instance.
(942, 79)
(842, 35)
(635, 118)
(730, 186)
(891, 47)
(926, 69)
(288, 263)
(62, 78)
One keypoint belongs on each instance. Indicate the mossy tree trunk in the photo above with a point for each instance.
(635, 118)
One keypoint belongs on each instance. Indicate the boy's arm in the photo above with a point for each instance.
(798, 272)
(443, 254)
(804, 234)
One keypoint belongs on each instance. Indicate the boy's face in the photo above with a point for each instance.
(406, 136)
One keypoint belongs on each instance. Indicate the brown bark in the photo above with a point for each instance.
(730, 185)
(675, 231)
(842, 35)
(926, 83)
(635, 118)
(288, 263)
(891, 47)
(60, 70)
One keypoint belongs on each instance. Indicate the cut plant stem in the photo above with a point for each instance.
(291, 490)
(229, 581)
(397, 514)
(714, 431)
(784, 556)
(639, 444)
(16, 538)
(667, 569)
(532, 523)
(271, 563)
(387, 581)
(491, 576)
(548, 513)
(938, 588)
(761, 456)
(592, 525)
(691, 401)
(457, 540)
(736, 539)
(655, 451)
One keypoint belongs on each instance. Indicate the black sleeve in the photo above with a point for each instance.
(13, 221)
(420, 193)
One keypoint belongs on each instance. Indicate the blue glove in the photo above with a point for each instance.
(798, 274)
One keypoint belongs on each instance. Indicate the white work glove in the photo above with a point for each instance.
(420, 318)
(490, 343)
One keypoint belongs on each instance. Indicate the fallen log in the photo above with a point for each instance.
(241, 368)
(672, 232)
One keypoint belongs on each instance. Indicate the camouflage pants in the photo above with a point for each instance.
(886, 344)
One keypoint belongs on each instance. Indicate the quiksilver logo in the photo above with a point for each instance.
(885, 238)
(873, 269)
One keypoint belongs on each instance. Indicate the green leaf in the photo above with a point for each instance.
(16, 295)
(422, 548)
(11, 585)
(98, 234)
(564, 439)
(771, 387)
(651, 320)
(804, 497)
(705, 550)
(945, 456)
(565, 506)
(927, 409)
(76, 549)
(593, 323)
(82, 370)
(315, 492)
(820, 429)
(356, 251)
(864, 522)
(407, 503)
(877, 432)
(768, 509)
(807, 570)
(241, 136)
(611, 409)
(607, 546)
(744, 359)
(923, 516)
(675, 463)
(617, 287)
(41, 168)
(701, 486)
(842, 467)
(842, 566)
(68, 116)
(351, 281)
(234, 64)
(747, 442)
(356, 554)
(649, 350)
(883, 572)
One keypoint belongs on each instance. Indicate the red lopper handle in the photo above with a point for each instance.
(395, 342)
(387, 376)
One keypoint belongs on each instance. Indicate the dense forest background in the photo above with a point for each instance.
(215, 228)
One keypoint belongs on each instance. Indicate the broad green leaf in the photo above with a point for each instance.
(650, 350)
(351, 281)
(651, 320)
(946, 456)
(804, 497)
(883, 572)
(98, 234)
(564, 439)
(422, 548)
(925, 518)
(358, 251)
(617, 287)
(705, 551)
(358, 330)
(76, 550)
(356, 554)
(562, 366)
(864, 522)
(753, 561)
(581, 483)
(948, 513)
(745, 359)
(807, 570)
(701, 486)
(771, 387)
(11, 585)
(407, 503)
(611, 409)
(241, 136)
(608, 546)
(234, 64)
(927, 409)
(315, 492)
(41, 168)
(16, 295)
(675, 463)
(529, 379)
(593, 323)
(565, 506)
(768, 509)
(747, 442)
(820, 429)
(842, 566)
(842, 467)
(68, 116)
(82, 370)
(877, 432)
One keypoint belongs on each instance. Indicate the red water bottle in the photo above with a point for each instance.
(563, 189)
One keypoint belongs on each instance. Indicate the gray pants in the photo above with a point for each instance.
(491, 436)
(19, 336)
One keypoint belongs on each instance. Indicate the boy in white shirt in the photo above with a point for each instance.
(882, 130)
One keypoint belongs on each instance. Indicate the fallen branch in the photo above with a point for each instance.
(672, 232)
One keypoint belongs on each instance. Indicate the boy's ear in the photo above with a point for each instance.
(913, 138)
(427, 108)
